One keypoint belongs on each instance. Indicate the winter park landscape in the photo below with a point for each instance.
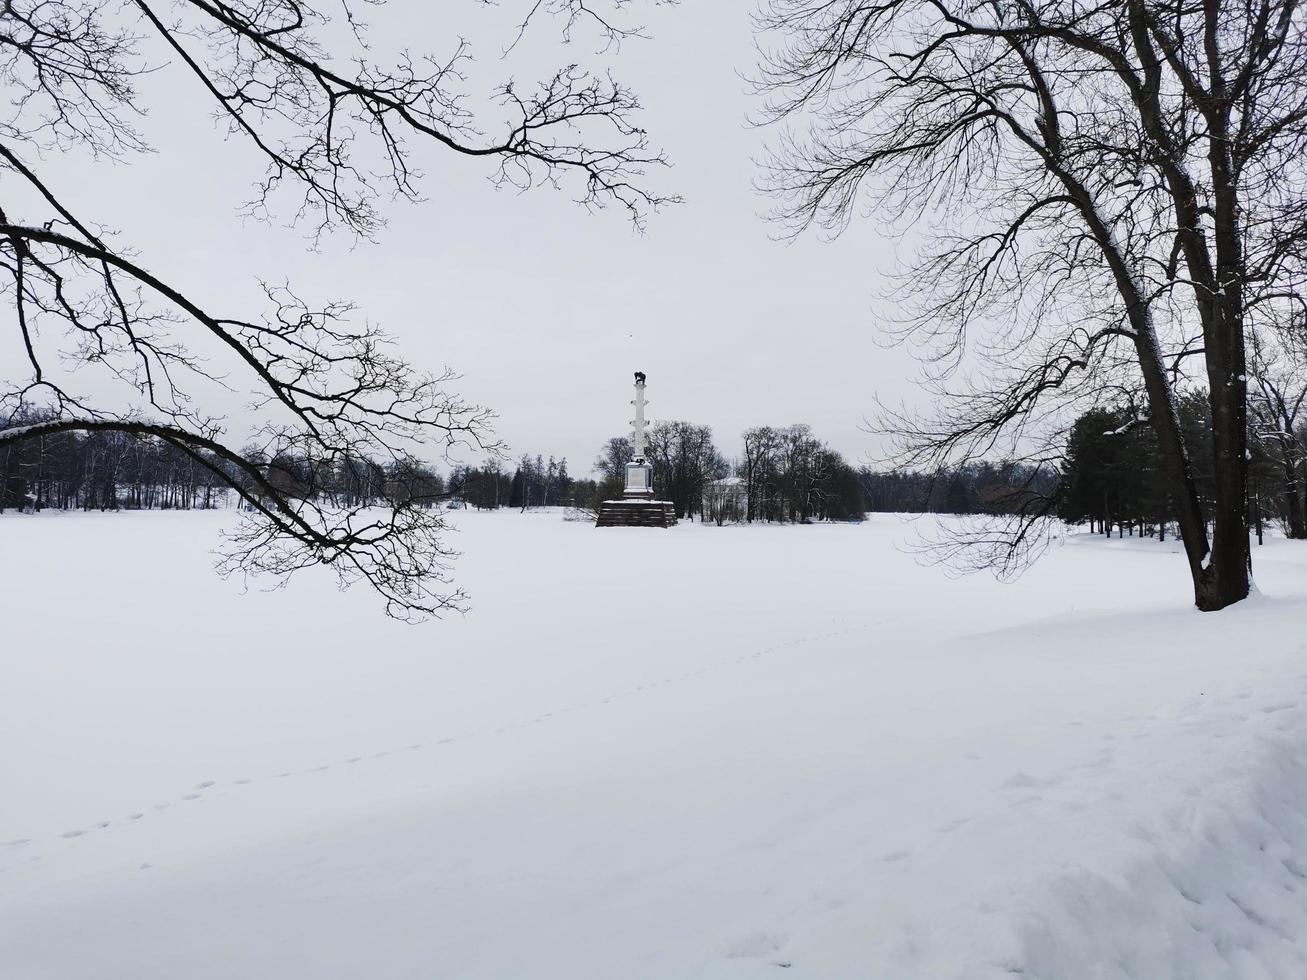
(653, 489)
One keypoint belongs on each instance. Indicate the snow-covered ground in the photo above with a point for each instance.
(703, 752)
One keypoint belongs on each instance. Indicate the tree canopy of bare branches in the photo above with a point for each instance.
(1112, 197)
(337, 133)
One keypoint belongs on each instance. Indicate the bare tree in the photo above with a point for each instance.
(761, 451)
(612, 459)
(1277, 410)
(789, 474)
(684, 461)
(336, 131)
(1120, 192)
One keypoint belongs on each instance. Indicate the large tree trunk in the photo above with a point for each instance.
(1227, 577)
(1294, 509)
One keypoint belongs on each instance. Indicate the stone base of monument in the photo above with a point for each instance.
(636, 512)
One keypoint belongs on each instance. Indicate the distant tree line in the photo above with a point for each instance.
(1003, 487)
(116, 470)
(349, 482)
(534, 482)
(1112, 477)
(104, 471)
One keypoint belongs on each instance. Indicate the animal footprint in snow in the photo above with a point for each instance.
(757, 944)
(1024, 780)
(204, 785)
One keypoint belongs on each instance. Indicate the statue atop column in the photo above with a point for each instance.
(638, 508)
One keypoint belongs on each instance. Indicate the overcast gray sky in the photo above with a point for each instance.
(547, 310)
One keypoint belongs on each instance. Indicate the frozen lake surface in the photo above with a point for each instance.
(703, 752)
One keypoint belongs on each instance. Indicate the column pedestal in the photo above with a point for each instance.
(639, 480)
(636, 512)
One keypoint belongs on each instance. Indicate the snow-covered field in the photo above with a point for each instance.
(704, 752)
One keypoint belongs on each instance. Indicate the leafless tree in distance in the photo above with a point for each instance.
(1278, 416)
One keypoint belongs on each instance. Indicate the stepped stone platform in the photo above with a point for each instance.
(636, 513)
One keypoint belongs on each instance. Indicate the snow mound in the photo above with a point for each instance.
(1223, 893)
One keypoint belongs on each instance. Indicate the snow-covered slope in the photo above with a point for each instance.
(703, 752)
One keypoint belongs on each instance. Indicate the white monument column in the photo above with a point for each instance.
(639, 474)
(637, 507)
